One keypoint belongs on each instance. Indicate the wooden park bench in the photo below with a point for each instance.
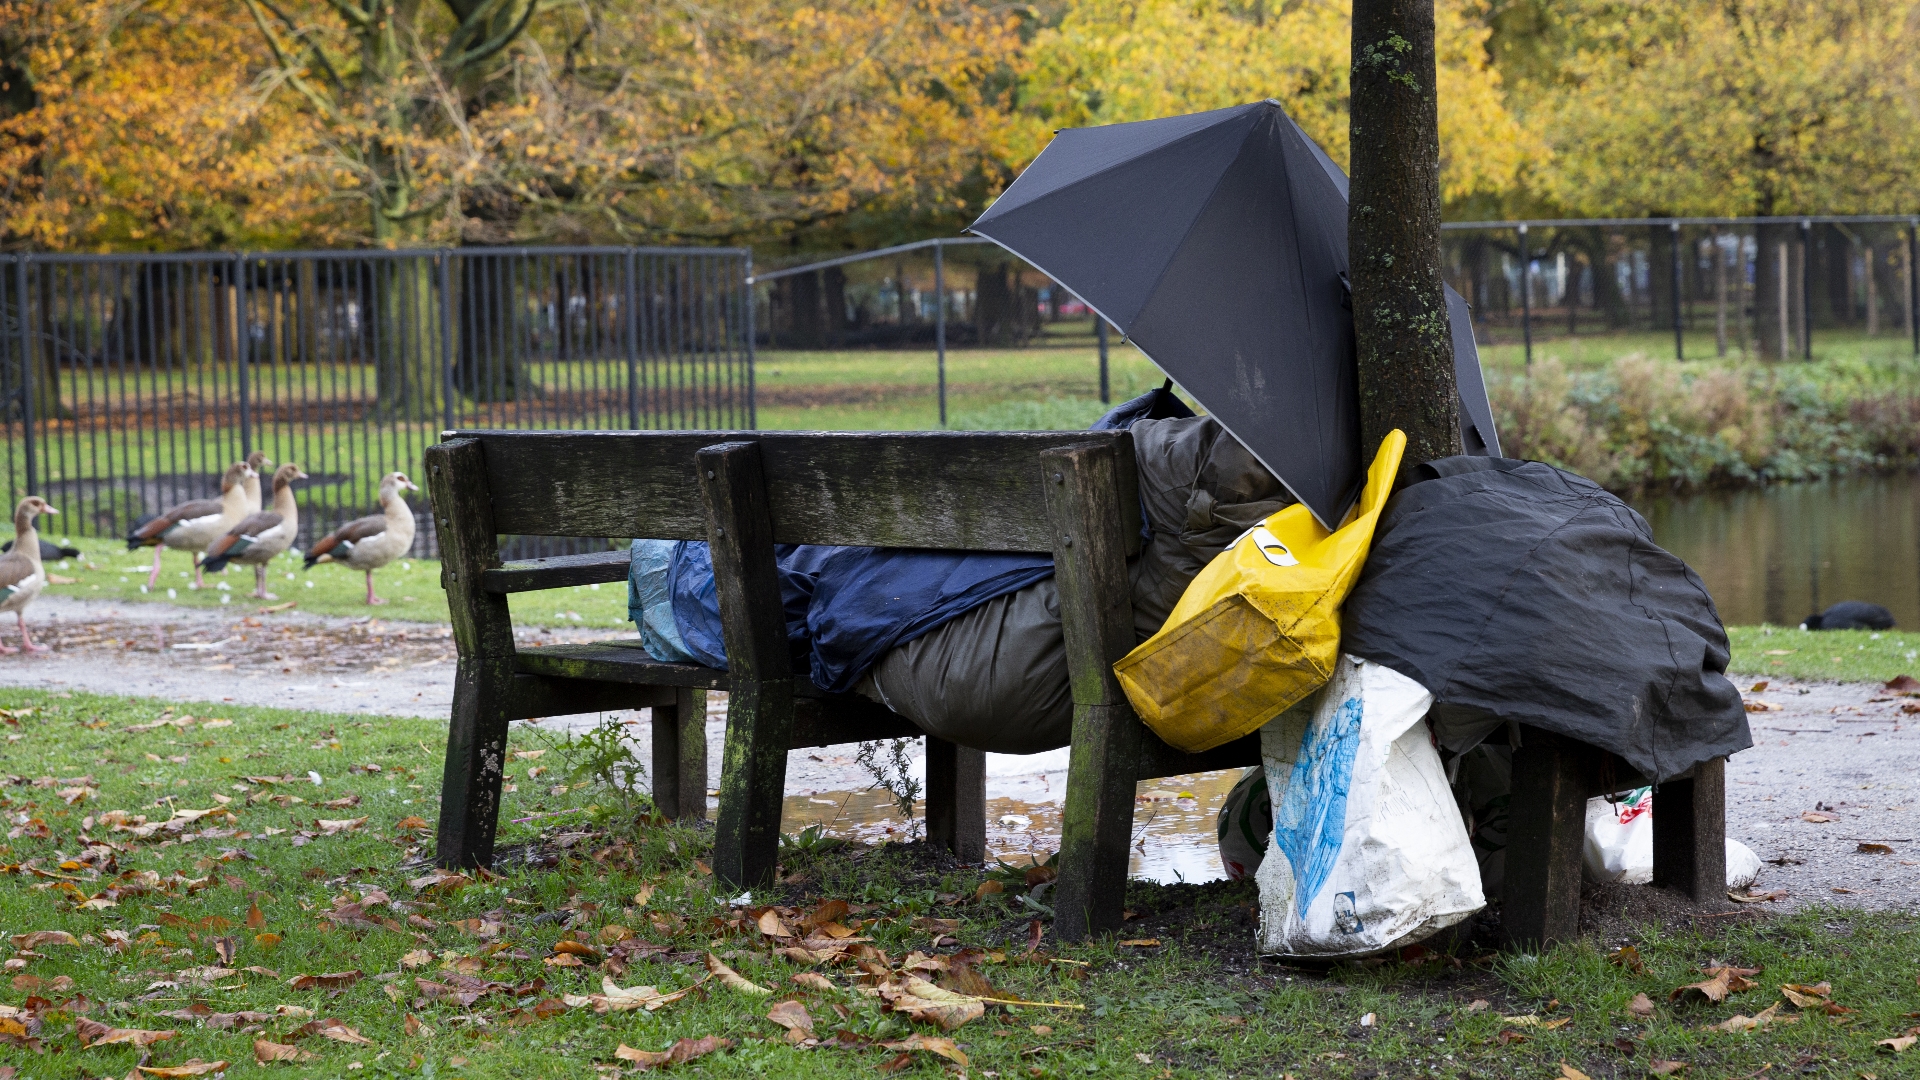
(1069, 494)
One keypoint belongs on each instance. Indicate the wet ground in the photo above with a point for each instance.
(1844, 752)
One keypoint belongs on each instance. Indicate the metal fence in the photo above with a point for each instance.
(1692, 287)
(129, 382)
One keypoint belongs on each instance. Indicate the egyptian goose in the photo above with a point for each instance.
(260, 538)
(193, 525)
(21, 574)
(370, 543)
(259, 463)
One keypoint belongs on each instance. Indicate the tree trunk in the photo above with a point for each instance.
(1767, 291)
(1401, 333)
(408, 373)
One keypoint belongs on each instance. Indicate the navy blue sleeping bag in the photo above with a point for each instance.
(846, 606)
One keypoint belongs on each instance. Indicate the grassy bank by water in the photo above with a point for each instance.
(194, 884)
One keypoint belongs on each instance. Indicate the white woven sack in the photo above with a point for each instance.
(1369, 852)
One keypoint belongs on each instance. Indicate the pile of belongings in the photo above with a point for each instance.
(968, 646)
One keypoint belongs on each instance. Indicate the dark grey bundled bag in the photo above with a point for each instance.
(995, 678)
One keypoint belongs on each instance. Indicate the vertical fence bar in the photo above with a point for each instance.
(447, 388)
(940, 322)
(1913, 284)
(1679, 322)
(628, 269)
(1806, 290)
(1100, 323)
(26, 373)
(242, 353)
(753, 405)
(1526, 296)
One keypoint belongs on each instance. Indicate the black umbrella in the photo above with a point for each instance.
(1217, 243)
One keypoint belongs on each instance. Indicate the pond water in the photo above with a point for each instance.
(1776, 554)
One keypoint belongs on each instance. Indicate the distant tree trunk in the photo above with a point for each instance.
(1873, 294)
(1767, 313)
(834, 296)
(1404, 346)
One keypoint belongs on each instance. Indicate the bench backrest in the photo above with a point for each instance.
(979, 491)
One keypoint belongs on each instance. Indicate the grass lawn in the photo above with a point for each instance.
(411, 588)
(207, 930)
(1840, 655)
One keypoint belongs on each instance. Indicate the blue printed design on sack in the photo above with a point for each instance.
(1311, 821)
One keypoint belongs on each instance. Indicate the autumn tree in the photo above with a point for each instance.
(1725, 107)
(1109, 61)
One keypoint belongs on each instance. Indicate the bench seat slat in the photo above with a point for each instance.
(558, 572)
(622, 661)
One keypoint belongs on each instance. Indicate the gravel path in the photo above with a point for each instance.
(1844, 751)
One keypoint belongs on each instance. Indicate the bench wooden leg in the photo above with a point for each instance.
(680, 756)
(1547, 820)
(957, 799)
(476, 756)
(1690, 831)
(1096, 823)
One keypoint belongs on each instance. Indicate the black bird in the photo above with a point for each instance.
(49, 551)
(1850, 615)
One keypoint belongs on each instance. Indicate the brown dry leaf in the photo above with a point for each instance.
(922, 1000)
(32, 941)
(813, 981)
(988, 888)
(1757, 898)
(410, 823)
(226, 948)
(1807, 997)
(1533, 1021)
(793, 1016)
(1721, 982)
(1142, 943)
(770, 925)
(579, 949)
(1508, 1036)
(1903, 684)
(1899, 1044)
(732, 979)
(193, 1067)
(256, 919)
(332, 826)
(333, 980)
(418, 958)
(644, 894)
(1659, 1067)
(932, 1044)
(614, 999)
(266, 1050)
(1641, 1006)
(330, 1028)
(95, 1033)
(441, 881)
(682, 1051)
(1628, 957)
(1761, 1019)
(1568, 1072)
(613, 934)
(415, 1028)
(565, 960)
(1817, 817)
(1874, 849)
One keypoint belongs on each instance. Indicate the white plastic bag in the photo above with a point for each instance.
(1369, 852)
(1619, 843)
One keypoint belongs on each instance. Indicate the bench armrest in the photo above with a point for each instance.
(599, 567)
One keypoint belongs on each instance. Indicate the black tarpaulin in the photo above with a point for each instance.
(1515, 591)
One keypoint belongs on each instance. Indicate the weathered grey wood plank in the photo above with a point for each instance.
(559, 572)
(528, 697)
(1096, 612)
(844, 718)
(760, 700)
(957, 799)
(680, 755)
(1690, 830)
(1547, 820)
(977, 491)
(483, 637)
(615, 661)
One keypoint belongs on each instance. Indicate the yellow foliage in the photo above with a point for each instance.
(1730, 106)
(148, 132)
(1110, 61)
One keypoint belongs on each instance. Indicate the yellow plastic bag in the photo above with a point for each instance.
(1259, 628)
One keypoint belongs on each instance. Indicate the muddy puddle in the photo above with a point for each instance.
(1173, 819)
